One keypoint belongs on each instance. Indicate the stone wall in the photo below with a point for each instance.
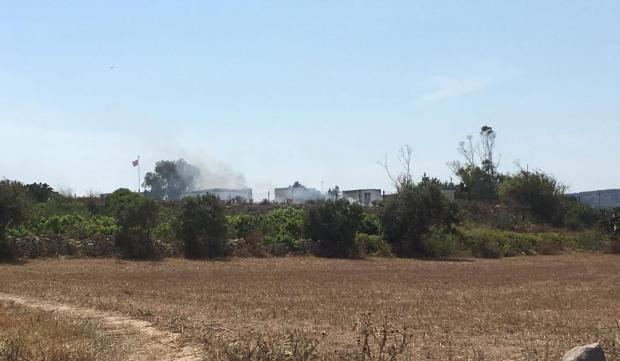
(45, 246)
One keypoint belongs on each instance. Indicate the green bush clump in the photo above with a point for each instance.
(13, 211)
(332, 227)
(164, 230)
(283, 226)
(438, 242)
(243, 225)
(202, 227)
(20, 231)
(76, 226)
(373, 245)
(493, 243)
(411, 213)
(59, 205)
(137, 217)
(371, 224)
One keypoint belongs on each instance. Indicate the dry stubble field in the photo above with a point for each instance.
(531, 308)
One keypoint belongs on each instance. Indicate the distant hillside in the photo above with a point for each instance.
(609, 198)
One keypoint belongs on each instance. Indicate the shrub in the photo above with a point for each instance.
(440, 243)
(492, 243)
(202, 227)
(76, 226)
(373, 245)
(578, 216)
(589, 240)
(164, 230)
(13, 203)
(371, 223)
(243, 224)
(534, 193)
(137, 217)
(476, 183)
(332, 226)
(412, 212)
(283, 226)
(58, 205)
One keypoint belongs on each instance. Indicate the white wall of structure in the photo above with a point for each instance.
(297, 195)
(366, 197)
(224, 194)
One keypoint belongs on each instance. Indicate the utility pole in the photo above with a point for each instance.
(139, 174)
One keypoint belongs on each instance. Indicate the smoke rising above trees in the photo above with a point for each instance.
(171, 178)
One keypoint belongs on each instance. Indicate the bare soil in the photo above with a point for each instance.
(532, 308)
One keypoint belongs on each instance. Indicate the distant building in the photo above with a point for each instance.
(365, 197)
(297, 194)
(450, 194)
(241, 195)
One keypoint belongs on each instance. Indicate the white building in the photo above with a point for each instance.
(297, 195)
(449, 193)
(365, 197)
(243, 195)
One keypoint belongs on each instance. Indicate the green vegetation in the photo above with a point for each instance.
(12, 213)
(202, 227)
(493, 243)
(170, 179)
(332, 227)
(137, 217)
(494, 215)
(410, 215)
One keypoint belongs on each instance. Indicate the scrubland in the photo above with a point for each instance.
(522, 308)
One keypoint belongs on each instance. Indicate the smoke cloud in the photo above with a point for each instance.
(217, 174)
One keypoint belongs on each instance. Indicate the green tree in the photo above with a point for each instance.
(411, 213)
(40, 192)
(536, 194)
(137, 217)
(170, 179)
(283, 226)
(478, 171)
(332, 227)
(202, 227)
(13, 211)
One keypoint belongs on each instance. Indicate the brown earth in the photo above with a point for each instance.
(520, 308)
(147, 342)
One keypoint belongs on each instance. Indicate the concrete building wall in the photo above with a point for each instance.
(224, 194)
(365, 197)
(297, 195)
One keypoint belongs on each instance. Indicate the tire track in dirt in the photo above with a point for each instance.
(146, 342)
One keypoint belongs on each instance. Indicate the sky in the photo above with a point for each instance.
(271, 92)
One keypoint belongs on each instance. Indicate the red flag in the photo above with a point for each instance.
(135, 162)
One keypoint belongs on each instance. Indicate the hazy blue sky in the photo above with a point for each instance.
(305, 90)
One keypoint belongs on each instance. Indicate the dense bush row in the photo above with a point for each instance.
(418, 221)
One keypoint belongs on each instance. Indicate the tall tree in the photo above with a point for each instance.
(170, 179)
(479, 180)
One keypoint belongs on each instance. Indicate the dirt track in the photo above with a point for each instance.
(147, 343)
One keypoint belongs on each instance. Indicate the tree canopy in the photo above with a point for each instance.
(170, 179)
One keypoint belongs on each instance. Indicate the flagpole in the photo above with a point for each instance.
(138, 174)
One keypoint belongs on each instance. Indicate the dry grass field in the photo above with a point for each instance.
(523, 308)
(27, 334)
